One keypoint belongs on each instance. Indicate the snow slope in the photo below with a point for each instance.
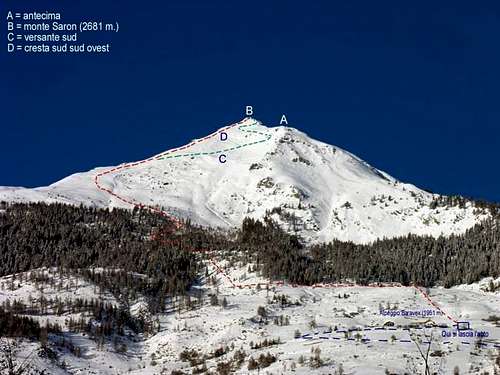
(345, 323)
(317, 190)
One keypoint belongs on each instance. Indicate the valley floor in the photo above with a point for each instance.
(306, 330)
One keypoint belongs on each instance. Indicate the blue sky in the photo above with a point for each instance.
(411, 89)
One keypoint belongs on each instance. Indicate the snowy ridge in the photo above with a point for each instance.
(317, 190)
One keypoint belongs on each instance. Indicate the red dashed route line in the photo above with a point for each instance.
(153, 158)
(426, 296)
(219, 269)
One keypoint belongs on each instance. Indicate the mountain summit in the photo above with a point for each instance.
(316, 190)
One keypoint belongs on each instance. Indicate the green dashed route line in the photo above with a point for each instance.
(170, 154)
(267, 137)
(163, 156)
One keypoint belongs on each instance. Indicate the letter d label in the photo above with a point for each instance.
(223, 136)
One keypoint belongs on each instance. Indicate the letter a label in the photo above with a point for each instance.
(283, 120)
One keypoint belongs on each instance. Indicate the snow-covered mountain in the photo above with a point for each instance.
(247, 169)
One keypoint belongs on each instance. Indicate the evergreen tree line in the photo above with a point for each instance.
(75, 238)
(96, 316)
(13, 325)
(38, 235)
(422, 260)
(481, 206)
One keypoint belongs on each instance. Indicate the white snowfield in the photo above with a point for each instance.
(319, 191)
(345, 323)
